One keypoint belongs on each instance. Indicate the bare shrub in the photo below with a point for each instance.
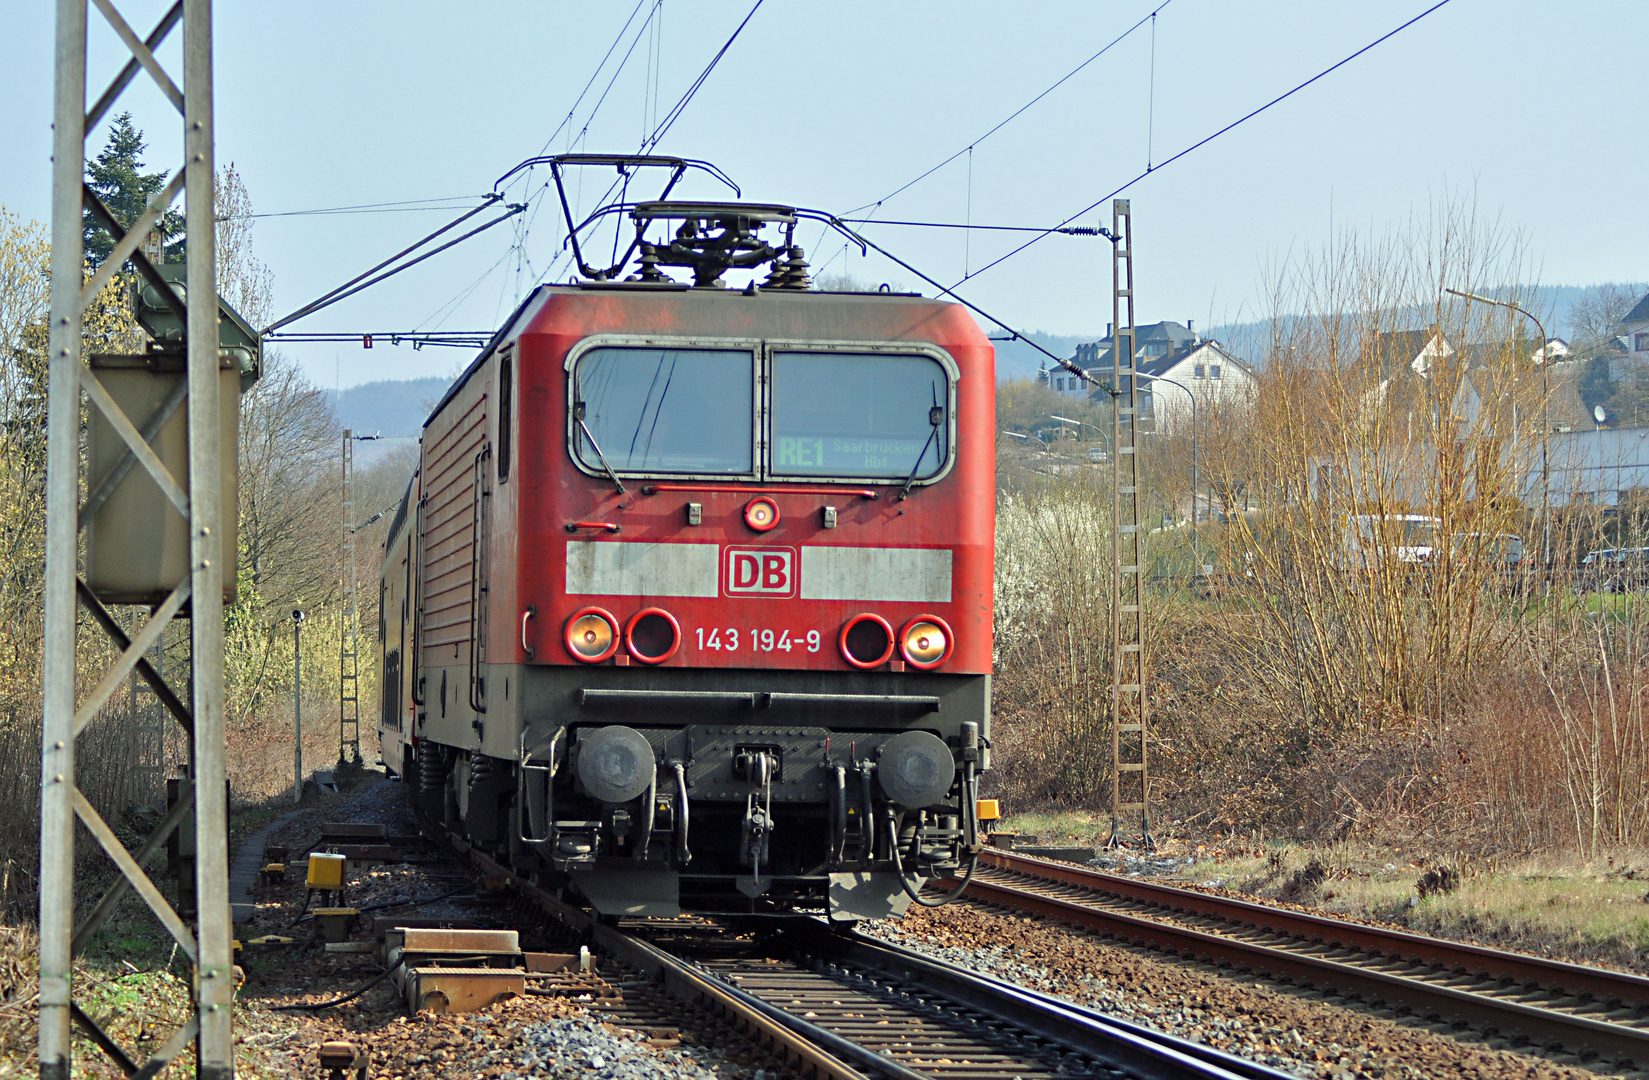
(1368, 656)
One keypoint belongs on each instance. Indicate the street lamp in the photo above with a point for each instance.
(297, 706)
(1598, 416)
(1017, 435)
(1068, 420)
(1079, 423)
(1545, 415)
(1196, 552)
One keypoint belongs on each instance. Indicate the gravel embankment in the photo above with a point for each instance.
(1292, 1030)
(517, 1039)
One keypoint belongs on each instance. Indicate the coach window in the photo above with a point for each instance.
(665, 410)
(853, 415)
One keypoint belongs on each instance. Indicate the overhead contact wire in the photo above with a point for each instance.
(675, 113)
(1016, 113)
(1205, 141)
(670, 118)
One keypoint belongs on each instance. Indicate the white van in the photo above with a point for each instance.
(1405, 538)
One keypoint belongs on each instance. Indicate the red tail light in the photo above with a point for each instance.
(867, 641)
(652, 636)
(591, 635)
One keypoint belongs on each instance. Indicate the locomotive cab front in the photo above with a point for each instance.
(702, 612)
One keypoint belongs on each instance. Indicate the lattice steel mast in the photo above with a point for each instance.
(349, 670)
(1127, 699)
(201, 568)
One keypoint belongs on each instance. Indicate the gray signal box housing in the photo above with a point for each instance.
(137, 543)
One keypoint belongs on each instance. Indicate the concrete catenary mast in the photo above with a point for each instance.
(1130, 775)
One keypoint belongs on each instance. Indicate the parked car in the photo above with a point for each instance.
(1503, 549)
(1615, 570)
(1371, 539)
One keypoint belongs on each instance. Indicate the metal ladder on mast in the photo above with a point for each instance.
(1130, 774)
(349, 671)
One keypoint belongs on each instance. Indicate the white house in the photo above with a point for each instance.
(1150, 342)
(1205, 371)
(1636, 335)
(1166, 353)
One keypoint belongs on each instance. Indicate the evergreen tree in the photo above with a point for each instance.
(119, 180)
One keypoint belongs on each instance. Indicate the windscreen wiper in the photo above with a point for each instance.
(936, 416)
(578, 415)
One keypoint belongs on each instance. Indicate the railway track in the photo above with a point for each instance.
(886, 1011)
(1601, 1016)
(833, 1005)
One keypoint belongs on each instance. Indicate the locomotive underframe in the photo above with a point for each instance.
(811, 829)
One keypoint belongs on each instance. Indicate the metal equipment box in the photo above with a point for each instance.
(137, 545)
(137, 542)
(326, 871)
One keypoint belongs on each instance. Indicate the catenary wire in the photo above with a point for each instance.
(593, 76)
(588, 120)
(951, 292)
(524, 225)
(1208, 139)
(675, 113)
(1068, 230)
(1011, 117)
(658, 134)
(405, 207)
(872, 206)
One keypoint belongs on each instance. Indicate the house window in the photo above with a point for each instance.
(1213, 371)
(1198, 372)
(1640, 342)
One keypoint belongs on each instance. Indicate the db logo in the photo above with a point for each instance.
(759, 571)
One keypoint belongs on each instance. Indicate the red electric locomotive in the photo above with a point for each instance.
(689, 605)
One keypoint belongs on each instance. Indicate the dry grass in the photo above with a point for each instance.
(1591, 912)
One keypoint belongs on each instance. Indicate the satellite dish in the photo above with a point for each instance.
(1597, 413)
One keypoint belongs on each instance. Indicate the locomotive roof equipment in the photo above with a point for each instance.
(711, 237)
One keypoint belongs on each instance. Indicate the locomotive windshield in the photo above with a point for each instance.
(870, 415)
(667, 410)
(690, 411)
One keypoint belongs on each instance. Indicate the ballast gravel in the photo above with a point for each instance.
(1296, 1031)
(590, 1050)
(536, 1037)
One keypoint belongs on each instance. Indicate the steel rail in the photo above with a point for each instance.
(809, 1058)
(1598, 983)
(1117, 1042)
(1619, 1043)
(879, 1003)
(822, 1054)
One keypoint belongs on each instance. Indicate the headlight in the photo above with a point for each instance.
(867, 641)
(591, 635)
(925, 642)
(761, 513)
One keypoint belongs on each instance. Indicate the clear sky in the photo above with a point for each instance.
(1533, 109)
